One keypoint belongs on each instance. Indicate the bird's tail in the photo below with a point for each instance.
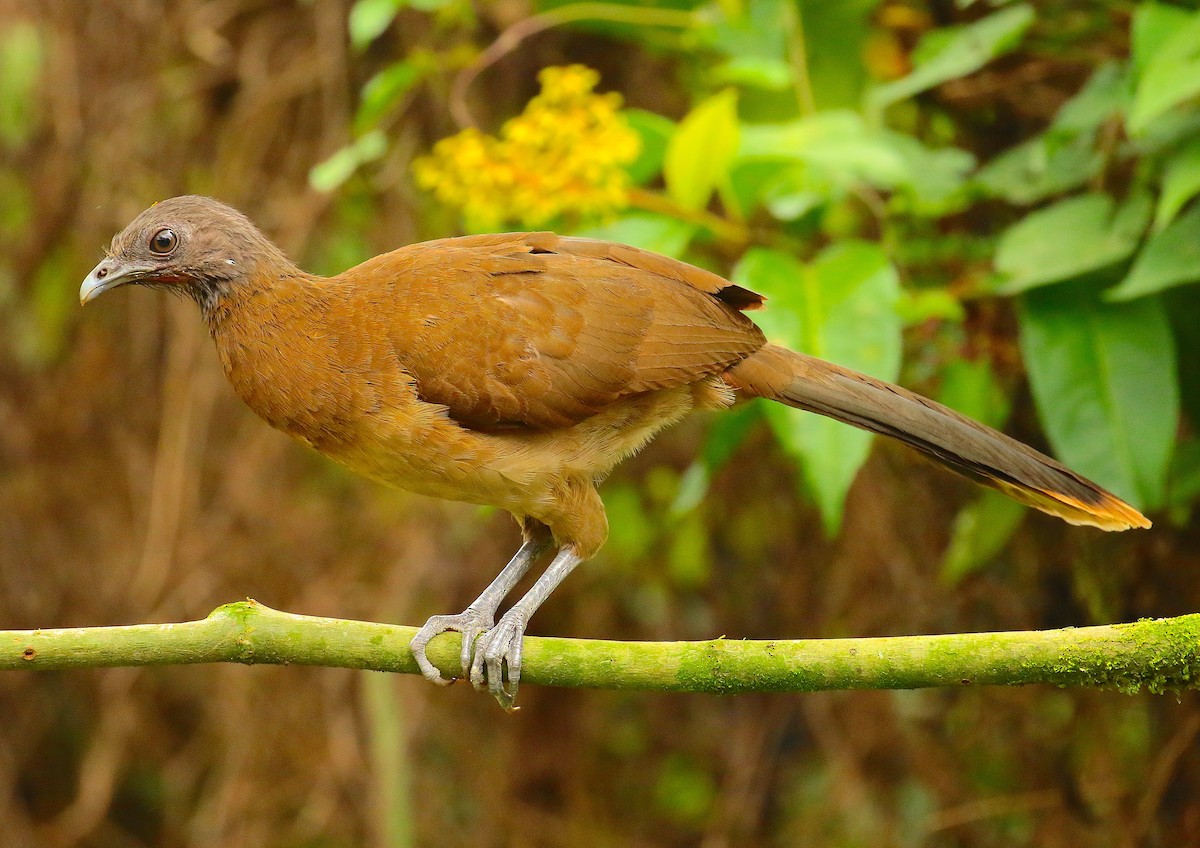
(979, 452)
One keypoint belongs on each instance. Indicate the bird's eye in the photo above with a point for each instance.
(163, 242)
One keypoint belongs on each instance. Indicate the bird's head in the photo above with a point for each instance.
(193, 246)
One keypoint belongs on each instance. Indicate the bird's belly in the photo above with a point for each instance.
(518, 470)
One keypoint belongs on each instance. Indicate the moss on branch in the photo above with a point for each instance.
(1159, 655)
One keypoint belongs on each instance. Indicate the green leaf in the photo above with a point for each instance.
(1041, 167)
(701, 150)
(981, 530)
(1070, 238)
(952, 52)
(330, 174)
(755, 72)
(647, 230)
(1104, 379)
(838, 152)
(838, 143)
(839, 307)
(1170, 258)
(1169, 74)
(1153, 26)
(655, 132)
(384, 91)
(1180, 183)
(369, 19)
(1103, 97)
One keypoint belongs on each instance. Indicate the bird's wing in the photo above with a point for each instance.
(536, 330)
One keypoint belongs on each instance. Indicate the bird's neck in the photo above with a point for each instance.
(223, 299)
(273, 338)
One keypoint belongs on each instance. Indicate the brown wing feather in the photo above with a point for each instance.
(561, 327)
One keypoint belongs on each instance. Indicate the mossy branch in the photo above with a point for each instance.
(1159, 655)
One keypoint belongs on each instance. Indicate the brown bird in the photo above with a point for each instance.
(516, 370)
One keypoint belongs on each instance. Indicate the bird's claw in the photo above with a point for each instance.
(470, 623)
(498, 651)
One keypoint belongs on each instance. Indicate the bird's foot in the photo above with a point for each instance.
(470, 623)
(498, 651)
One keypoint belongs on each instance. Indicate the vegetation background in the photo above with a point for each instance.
(992, 202)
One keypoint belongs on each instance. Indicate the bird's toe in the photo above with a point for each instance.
(470, 623)
(497, 661)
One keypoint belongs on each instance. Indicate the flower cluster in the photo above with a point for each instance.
(564, 155)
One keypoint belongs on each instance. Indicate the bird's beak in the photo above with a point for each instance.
(109, 274)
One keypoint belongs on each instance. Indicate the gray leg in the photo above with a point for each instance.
(479, 616)
(501, 645)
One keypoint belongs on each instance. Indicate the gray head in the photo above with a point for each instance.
(189, 245)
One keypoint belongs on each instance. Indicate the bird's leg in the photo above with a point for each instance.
(501, 645)
(479, 616)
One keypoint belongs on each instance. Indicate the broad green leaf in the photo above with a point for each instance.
(839, 151)
(369, 19)
(384, 91)
(1170, 258)
(1170, 76)
(701, 150)
(1068, 239)
(839, 307)
(655, 132)
(951, 52)
(1104, 96)
(981, 531)
(1041, 167)
(839, 143)
(659, 233)
(1180, 183)
(1105, 382)
(1153, 26)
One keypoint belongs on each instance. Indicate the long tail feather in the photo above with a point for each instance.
(966, 446)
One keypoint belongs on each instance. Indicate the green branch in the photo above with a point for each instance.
(1159, 654)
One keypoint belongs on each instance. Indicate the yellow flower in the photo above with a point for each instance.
(564, 155)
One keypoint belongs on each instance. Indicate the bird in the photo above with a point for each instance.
(517, 370)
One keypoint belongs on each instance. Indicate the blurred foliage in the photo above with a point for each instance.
(997, 203)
